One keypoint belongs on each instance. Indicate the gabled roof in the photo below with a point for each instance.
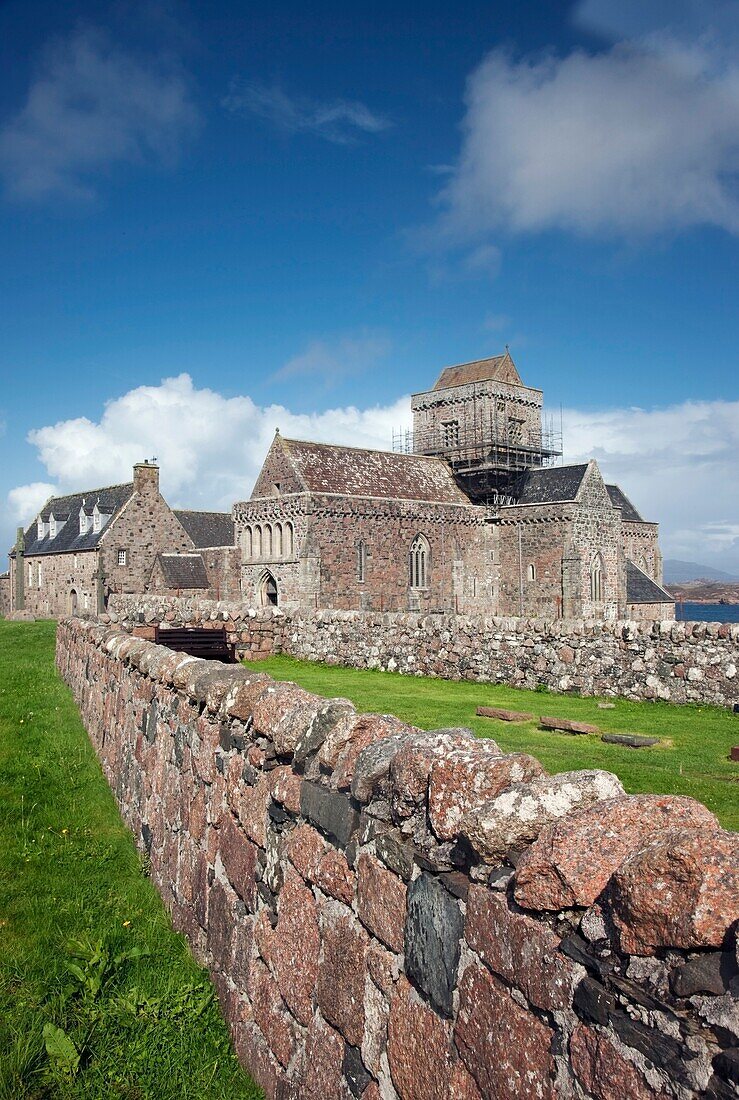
(358, 472)
(109, 501)
(552, 485)
(620, 500)
(207, 528)
(642, 589)
(499, 368)
(183, 570)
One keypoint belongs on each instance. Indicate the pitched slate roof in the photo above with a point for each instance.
(207, 528)
(358, 472)
(642, 589)
(183, 570)
(500, 368)
(109, 500)
(620, 500)
(550, 486)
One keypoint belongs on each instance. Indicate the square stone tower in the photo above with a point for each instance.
(481, 418)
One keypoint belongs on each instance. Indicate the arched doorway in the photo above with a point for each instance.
(73, 602)
(268, 590)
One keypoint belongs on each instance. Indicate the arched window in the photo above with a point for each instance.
(257, 541)
(73, 602)
(267, 590)
(246, 542)
(267, 541)
(361, 561)
(531, 572)
(277, 547)
(418, 562)
(289, 540)
(596, 579)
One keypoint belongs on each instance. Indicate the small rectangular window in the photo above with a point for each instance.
(121, 557)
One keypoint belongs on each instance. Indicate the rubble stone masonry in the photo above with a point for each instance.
(388, 913)
(675, 661)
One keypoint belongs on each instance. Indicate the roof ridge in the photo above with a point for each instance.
(201, 511)
(482, 359)
(89, 492)
(367, 450)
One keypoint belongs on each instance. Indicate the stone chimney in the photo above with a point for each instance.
(146, 477)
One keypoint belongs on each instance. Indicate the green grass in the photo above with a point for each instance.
(691, 759)
(98, 996)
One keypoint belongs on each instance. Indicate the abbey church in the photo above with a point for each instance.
(470, 513)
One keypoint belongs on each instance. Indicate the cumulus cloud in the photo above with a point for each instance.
(640, 138)
(91, 106)
(331, 360)
(210, 447)
(678, 466)
(337, 120)
(26, 500)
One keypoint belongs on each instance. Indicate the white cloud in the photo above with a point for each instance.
(210, 447)
(337, 120)
(92, 106)
(25, 501)
(641, 138)
(677, 464)
(342, 357)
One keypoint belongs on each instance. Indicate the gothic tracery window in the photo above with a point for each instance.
(418, 562)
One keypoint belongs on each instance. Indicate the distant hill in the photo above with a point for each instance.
(683, 572)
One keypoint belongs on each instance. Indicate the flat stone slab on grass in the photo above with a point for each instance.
(566, 725)
(631, 740)
(504, 715)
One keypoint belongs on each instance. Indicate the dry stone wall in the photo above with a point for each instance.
(388, 913)
(675, 661)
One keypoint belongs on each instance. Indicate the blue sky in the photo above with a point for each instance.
(220, 219)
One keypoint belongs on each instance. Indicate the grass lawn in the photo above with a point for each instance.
(98, 996)
(691, 759)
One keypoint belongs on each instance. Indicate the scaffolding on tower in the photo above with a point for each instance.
(489, 452)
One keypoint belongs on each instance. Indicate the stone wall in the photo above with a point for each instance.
(391, 914)
(676, 661)
(51, 580)
(145, 527)
(5, 604)
(321, 569)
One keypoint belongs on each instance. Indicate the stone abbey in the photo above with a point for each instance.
(469, 513)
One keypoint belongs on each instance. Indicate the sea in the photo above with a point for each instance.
(707, 612)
